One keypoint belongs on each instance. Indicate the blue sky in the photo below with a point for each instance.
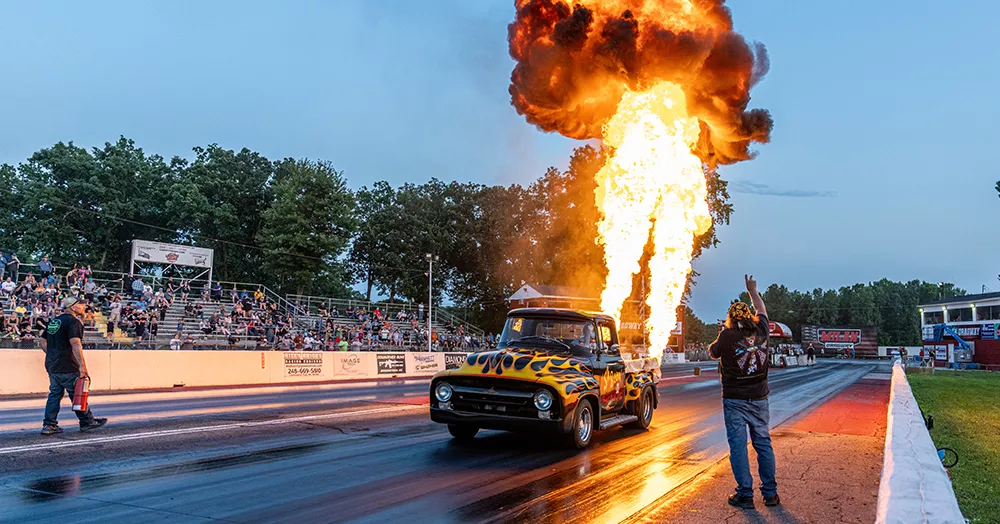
(880, 163)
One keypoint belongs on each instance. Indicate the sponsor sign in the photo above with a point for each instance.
(147, 251)
(454, 360)
(928, 332)
(966, 331)
(988, 332)
(850, 336)
(425, 362)
(940, 352)
(303, 364)
(838, 345)
(391, 363)
(351, 365)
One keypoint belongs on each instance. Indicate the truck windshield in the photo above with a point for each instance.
(559, 334)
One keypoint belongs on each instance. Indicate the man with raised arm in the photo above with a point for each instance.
(742, 347)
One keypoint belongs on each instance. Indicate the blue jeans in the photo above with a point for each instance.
(739, 415)
(59, 382)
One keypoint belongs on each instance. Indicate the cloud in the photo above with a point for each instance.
(754, 188)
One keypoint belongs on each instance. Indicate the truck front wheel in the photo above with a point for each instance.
(643, 408)
(462, 431)
(583, 425)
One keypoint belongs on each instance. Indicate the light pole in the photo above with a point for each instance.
(430, 297)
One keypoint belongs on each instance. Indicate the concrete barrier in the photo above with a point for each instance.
(914, 485)
(23, 371)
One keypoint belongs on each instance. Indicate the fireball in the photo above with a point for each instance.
(665, 85)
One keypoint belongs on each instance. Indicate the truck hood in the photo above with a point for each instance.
(567, 374)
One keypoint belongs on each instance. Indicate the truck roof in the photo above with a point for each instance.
(574, 314)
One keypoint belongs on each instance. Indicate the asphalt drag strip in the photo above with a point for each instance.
(369, 466)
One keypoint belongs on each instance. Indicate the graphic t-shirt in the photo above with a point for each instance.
(744, 362)
(59, 353)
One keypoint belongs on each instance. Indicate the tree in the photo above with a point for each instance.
(308, 227)
(87, 206)
(219, 200)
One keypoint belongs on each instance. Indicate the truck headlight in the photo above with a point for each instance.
(543, 400)
(443, 392)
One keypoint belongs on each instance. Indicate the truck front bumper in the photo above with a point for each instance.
(494, 421)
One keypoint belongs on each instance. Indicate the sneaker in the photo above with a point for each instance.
(772, 501)
(94, 424)
(741, 501)
(51, 429)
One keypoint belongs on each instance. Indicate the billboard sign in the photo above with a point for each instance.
(843, 336)
(176, 254)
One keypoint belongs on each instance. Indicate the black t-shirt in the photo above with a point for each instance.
(744, 362)
(59, 353)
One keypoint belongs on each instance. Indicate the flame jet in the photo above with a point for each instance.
(665, 84)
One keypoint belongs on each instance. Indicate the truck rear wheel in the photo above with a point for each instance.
(583, 425)
(462, 431)
(643, 408)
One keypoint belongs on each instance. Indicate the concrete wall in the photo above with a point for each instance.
(914, 485)
(23, 371)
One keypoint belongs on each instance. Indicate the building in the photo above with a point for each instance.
(973, 319)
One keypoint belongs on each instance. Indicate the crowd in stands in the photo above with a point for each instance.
(134, 309)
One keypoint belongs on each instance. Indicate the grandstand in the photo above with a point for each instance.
(298, 315)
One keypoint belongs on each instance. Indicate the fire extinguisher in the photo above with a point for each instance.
(80, 394)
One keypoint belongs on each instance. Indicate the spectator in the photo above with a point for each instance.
(8, 287)
(188, 343)
(45, 267)
(13, 264)
(3, 264)
(175, 341)
(138, 288)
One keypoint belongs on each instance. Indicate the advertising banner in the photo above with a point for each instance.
(350, 365)
(928, 332)
(148, 251)
(391, 363)
(848, 336)
(425, 363)
(940, 352)
(303, 364)
(454, 360)
(988, 332)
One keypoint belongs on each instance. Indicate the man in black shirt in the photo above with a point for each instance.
(62, 342)
(742, 348)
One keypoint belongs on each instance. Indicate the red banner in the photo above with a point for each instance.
(851, 336)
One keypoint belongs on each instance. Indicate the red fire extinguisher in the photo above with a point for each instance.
(80, 394)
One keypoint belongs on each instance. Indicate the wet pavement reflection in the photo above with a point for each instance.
(418, 473)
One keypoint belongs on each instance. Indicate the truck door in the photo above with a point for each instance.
(612, 377)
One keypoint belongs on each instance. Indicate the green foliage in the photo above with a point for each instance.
(294, 225)
(889, 306)
(966, 420)
(308, 227)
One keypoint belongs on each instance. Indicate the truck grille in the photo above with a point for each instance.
(495, 396)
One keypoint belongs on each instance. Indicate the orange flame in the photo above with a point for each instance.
(652, 180)
(665, 84)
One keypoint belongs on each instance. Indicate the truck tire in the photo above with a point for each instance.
(583, 425)
(643, 408)
(462, 431)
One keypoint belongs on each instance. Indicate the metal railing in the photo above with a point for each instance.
(390, 310)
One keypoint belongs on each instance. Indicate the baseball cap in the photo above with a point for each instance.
(70, 301)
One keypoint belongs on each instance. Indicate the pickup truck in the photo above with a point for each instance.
(558, 371)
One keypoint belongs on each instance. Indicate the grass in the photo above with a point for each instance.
(966, 409)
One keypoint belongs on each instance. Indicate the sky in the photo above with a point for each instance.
(880, 164)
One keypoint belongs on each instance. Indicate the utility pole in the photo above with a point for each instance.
(430, 298)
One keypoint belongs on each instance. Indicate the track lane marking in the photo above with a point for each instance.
(200, 429)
